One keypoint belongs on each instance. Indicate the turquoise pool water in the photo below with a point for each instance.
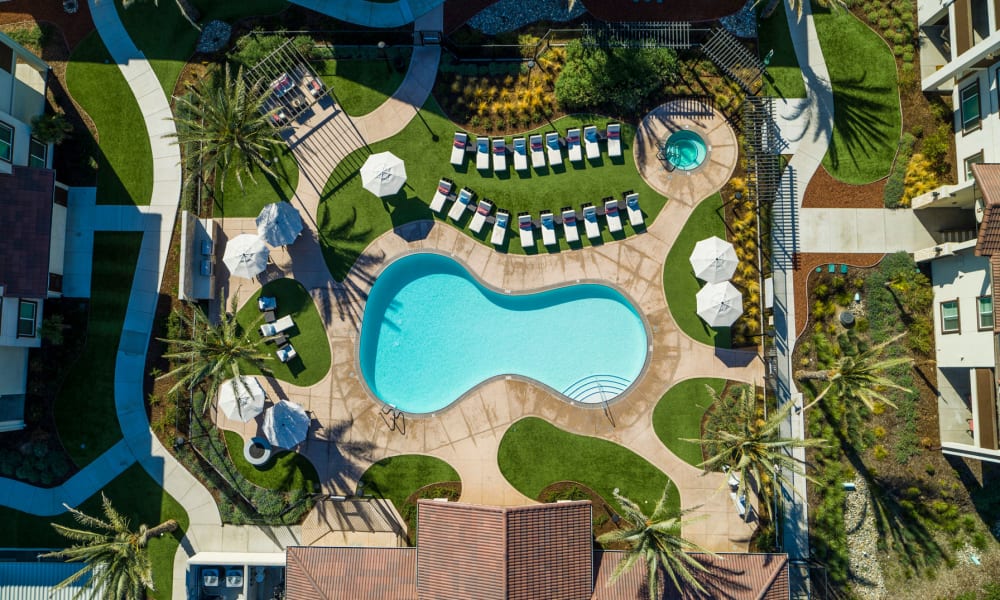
(685, 150)
(431, 332)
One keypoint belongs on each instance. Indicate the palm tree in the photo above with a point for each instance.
(751, 447)
(225, 125)
(212, 353)
(117, 557)
(656, 541)
(188, 10)
(860, 377)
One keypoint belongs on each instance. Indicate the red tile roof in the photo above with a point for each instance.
(987, 178)
(26, 218)
(350, 572)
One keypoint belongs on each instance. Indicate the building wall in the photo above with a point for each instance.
(57, 247)
(964, 277)
(986, 137)
(8, 324)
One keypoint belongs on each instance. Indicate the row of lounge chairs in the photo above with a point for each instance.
(274, 333)
(532, 149)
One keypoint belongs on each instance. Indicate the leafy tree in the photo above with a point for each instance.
(117, 558)
(188, 10)
(860, 377)
(51, 128)
(621, 78)
(656, 541)
(254, 47)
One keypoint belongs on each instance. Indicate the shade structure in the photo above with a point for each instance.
(246, 255)
(241, 399)
(286, 424)
(719, 304)
(383, 174)
(279, 224)
(714, 260)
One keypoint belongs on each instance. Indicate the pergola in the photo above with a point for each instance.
(295, 87)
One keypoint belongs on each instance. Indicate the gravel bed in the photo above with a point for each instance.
(214, 37)
(862, 543)
(508, 15)
(742, 24)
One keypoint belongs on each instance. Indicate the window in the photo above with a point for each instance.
(55, 282)
(6, 142)
(985, 305)
(26, 310)
(37, 150)
(975, 159)
(949, 317)
(969, 97)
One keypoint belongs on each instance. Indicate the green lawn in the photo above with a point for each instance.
(308, 336)
(784, 77)
(678, 415)
(350, 217)
(534, 454)
(361, 86)
(397, 477)
(134, 494)
(866, 118)
(85, 407)
(125, 160)
(679, 281)
(247, 202)
(285, 472)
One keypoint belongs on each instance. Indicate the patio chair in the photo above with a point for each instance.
(573, 145)
(500, 228)
(590, 223)
(286, 353)
(614, 140)
(499, 155)
(458, 148)
(461, 203)
(478, 219)
(634, 212)
(537, 151)
(282, 324)
(527, 230)
(520, 154)
(266, 303)
(548, 228)
(570, 229)
(483, 153)
(611, 214)
(590, 142)
(313, 85)
(553, 150)
(441, 195)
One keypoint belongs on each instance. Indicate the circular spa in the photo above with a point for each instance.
(685, 150)
(431, 332)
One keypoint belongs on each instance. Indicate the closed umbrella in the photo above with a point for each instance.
(719, 304)
(286, 424)
(241, 399)
(246, 256)
(383, 174)
(278, 224)
(714, 260)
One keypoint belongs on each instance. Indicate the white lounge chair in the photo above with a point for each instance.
(520, 154)
(527, 230)
(611, 214)
(485, 207)
(441, 195)
(554, 152)
(548, 228)
(590, 141)
(634, 212)
(499, 155)
(458, 209)
(590, 221)
(286, 353)
(570, 229)
(458, 148)
(282, 324)
(614, 140)
(500, 228)
(537, 151)
(483, 154)
(573, 145)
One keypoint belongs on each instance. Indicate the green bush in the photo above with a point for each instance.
(51, 128)
(892, 195)
(257, 45)
(936, 147)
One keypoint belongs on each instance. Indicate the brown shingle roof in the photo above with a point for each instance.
(350, 572)
(987, 178)
(26, 222)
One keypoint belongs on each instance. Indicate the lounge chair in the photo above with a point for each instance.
(590, 221)
(313, 85)
(590, 142)
(634, 212)
(500, 228)
(548, 228)
(286, 353)
(537, 151)
(458, 209)
(484, 210)
(483, 154)
(611, 214)
(458, 148)
(614, 140)
(573, 145)
(554, 151)
(282, 324)
(527, 230)
(520, 154)
(570, 229)
(441, 195)
(499, 155)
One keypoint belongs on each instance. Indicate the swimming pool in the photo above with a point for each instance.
(431, 332)
(685, 150)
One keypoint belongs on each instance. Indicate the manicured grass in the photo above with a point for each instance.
(784, 77)
(350, 217)
(308, 336)
(125, 160)
(133, 493)
(866, 118)
(678, 415)
(679, 281)
(285, 472)
(397, 477)
(247, 202)
(534, 454)
(361, 86)
(85, 407)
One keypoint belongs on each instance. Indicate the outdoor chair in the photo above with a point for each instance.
(554, 152)
(590, 142)
(590, 223)
(483, 211)
(537, 151)
(461, 203)
(286, 353)
(500, 228)
(569, 225)
(573, 145)
(611, 214)
(614, 140)
(441, 195)
(527, 230)
(634, 212)
(520, 154)
(458, 148)
(482, 153)
(548, 228)
(282, 324)
(499, 155)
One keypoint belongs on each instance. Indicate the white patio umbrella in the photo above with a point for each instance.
(279, 224)
(719, 304)
(383, 174)
(241, 400)
(246, 256)
(286, 424)
(714, 260)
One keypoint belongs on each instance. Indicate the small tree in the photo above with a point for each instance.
(621, 78)
(860, 377)
(51, 128)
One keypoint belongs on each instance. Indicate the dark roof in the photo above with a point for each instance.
(351, 572)
(26, 218)
(987, 178)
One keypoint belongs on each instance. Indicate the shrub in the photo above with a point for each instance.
(268, 503)
(51, 128)
(936, 146)
(895, 186)
(257, 45)
(621, 78)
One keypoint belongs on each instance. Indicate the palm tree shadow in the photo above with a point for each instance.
(858, 120)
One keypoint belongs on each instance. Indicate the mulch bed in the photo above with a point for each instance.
(824, 191)
(669, 10)
(807, 263)
(457, 13)
(73, 27)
